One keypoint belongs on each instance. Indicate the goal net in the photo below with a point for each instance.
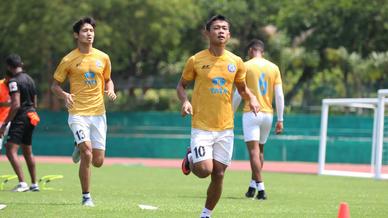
(354, 137)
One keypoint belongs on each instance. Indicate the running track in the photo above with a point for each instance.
(269, 166)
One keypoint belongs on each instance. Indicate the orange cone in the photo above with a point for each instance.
(343, 211)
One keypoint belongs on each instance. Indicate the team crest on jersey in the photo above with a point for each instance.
(232, 68)
(13, 87)
(98, 63)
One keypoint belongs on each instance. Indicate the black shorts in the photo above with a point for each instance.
(20, 131)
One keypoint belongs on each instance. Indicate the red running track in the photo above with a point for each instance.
(269, 166)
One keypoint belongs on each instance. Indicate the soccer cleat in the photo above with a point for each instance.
(76, 154)
(261, 195)
(87, 202)
(21, 188)
(34, 188)
(250, 193)
(185, 163)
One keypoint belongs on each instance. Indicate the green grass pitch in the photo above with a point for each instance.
(117, 191)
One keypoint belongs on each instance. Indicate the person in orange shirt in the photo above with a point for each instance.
(264, 80)
(88, 71)
(214, 71)
(4, 107)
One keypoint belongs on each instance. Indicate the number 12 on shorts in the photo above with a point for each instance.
(80, 134)
(199, 151)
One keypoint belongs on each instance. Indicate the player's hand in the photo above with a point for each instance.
(187, 109)
(111, 94)
(254, 105)
(279, 128)
(69, 100)
(2, 130)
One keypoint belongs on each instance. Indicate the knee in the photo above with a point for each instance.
(97, 162)
(86, 155)
(218, 174)
(202, 171)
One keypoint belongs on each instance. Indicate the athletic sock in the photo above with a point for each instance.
(260, 186)
(206, 212)
(253, 184)
(86, 195)
(23, 184)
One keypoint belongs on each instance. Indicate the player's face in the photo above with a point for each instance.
(86, 34)
(219, 32)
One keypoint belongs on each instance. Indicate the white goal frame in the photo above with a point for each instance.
(378, 107)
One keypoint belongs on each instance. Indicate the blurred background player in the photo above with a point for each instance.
(214, 71)
(4, 108)
(23, 118)
(88, 71)
(264, 80)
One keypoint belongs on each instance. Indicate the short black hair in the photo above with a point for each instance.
(214, 18)
(14, 61)
(78, 25)
(257, 44)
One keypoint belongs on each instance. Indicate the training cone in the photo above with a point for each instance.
(343, 211)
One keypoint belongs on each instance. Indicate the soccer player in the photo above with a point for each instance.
(88, 71)
(23, 118)
(264, 80)
(214, 71)
(4, 107)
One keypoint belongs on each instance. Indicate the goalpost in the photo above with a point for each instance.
(378, 107)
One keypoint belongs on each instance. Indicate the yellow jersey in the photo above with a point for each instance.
(87, 74)
(262, 76)
(212, 94)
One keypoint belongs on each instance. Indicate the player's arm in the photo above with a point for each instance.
(35, 101)
(247, 95)
(110, 89)
(279, 100)
(186, 109)
(5, 104)
(15, 105)
(60, 93)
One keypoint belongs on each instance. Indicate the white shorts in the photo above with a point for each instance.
(5, 134)
(257, 128)
(89, 128)
(217, 145)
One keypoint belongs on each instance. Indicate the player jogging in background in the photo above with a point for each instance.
(88, 71)
(264, 80)
(23, 118)
(214, 71)
(4, 108)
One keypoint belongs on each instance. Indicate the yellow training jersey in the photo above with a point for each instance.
(212, 94)
(87, 74)
(262, 76)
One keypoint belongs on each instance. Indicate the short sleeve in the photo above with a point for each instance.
(189, 72)
(61, 71)
(13, 86)
(278, 78)
(241, 71)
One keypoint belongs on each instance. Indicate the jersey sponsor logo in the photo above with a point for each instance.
(263, 84)
(13, 86)
(99, 63)
(232, 68)
(90, 78)
(219, 86)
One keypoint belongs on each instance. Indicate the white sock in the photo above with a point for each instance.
(34, 185)
(206, 212)
(190, 157)
(252, 184)
(260, 186)
(87, 195)
(23, 184)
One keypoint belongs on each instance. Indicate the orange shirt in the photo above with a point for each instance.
(4, 98)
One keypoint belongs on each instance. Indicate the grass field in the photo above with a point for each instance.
(117, 191)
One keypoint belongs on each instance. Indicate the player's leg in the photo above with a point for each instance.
(222, 155)
(80, 127)
(251, 130)
(201, 147)
(28, 155)
(265, 128)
